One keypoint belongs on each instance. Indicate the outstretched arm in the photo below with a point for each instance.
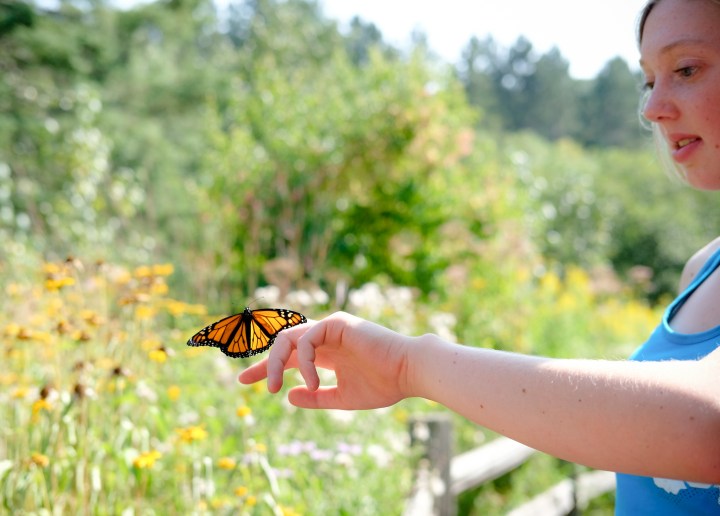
(649, 418)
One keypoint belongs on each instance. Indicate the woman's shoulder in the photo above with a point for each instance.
(696, 261)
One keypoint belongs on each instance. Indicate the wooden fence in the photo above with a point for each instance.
(441, 477)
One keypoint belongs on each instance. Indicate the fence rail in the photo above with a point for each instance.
(441, 477)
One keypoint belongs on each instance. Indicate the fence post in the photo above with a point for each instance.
(433, 433)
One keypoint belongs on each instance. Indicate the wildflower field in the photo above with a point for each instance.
(105, 410)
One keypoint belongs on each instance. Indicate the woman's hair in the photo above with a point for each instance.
(662, 148)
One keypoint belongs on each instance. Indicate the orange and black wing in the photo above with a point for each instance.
(248, 333)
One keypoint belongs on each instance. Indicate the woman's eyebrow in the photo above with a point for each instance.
(683, 42)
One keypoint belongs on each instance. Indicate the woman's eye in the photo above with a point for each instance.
(686, 71)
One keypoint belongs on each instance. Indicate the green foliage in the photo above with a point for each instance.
(647, 228)
(345, 162)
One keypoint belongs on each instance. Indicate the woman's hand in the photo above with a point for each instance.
(370, 363)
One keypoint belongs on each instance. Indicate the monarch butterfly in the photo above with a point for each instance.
(247, 333)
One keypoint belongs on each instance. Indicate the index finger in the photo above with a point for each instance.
(281, 355)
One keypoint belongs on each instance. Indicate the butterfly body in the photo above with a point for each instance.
(247, 333)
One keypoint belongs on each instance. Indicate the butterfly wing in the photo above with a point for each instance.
(224, 334)
(248, 333)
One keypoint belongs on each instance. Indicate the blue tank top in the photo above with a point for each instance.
(643, 495)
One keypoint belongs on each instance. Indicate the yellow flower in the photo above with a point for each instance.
(288, 511)
(8, 378)
(54, 284)
(146, 459)
(196, 309)
(226, 463)
(20, 392)
(12, 330)
(158, 355)
(51, 268)
(42, 337)
(241, 491)
(54, 307)
(163, 269)
(250, 501)
(39, 405)
(175, 307)
(144, 312)
(40, 460)
(150, 343)
(81, 336)
(550, 283)
(244, 411)
(121, 277)
(219, 503)
(401, 415)
(173, 392)
(13, 289)
(63, 327)
(191, 433)
(91, 317)
(24, 334)
(258, 387)
(143, 272)
(159, 288)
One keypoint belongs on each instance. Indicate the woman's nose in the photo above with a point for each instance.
(659, 105)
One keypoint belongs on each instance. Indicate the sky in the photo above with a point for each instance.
(587, 33)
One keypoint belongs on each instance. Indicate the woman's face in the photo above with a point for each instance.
(680, 56)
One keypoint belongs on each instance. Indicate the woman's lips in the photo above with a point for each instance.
(684, 146)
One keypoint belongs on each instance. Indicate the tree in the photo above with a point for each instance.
(610, 108)
(361, 38)
(477, 61)
(291, 33)
(510, 78)
(551, 98)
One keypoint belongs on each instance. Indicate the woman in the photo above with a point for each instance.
(652, 418)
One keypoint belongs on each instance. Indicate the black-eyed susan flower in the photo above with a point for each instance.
(144, 312)
(143, 271)
(81, 336)
(158, 355)
(91, 317)
(55, 284)
(173, 392)
(146, 459)
(159, 288)
(40, 460)
(288, 511)
(39, 406)
(20, 393)
(163, 269)
(191, 434)
(227, 463)
(11, 329)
